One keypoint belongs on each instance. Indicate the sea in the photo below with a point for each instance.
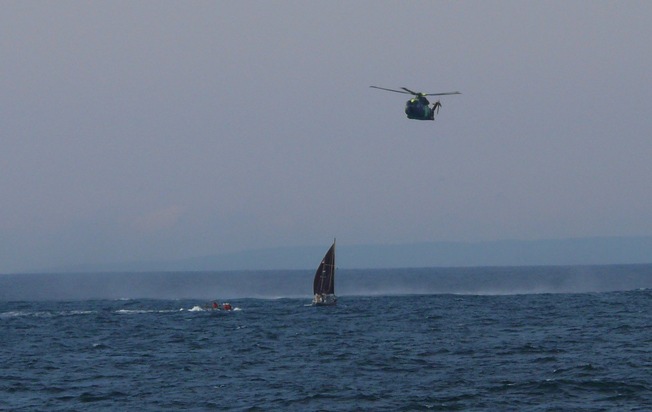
(481, 347)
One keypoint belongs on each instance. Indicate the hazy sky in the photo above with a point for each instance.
(146, 130)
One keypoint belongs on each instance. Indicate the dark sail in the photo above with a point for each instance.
(325, 276)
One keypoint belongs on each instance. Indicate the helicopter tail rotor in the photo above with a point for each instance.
(436, 106)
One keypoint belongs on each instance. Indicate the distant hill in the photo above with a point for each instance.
(581, 251)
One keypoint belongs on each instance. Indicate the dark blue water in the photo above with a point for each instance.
(584, 351)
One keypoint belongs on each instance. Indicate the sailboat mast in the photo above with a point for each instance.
(333, 276)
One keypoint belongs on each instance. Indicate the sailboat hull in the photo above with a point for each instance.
(324, 300)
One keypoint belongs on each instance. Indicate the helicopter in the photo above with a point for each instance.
(418, 107)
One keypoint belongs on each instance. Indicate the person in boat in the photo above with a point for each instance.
(226, 306)
(215, 305)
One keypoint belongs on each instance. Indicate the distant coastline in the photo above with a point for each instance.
(275, 284)
(552, 252)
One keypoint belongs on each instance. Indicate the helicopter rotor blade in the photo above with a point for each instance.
(441, 94)
(410, 91)
(389, 90)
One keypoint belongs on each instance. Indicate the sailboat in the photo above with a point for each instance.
(324, 283)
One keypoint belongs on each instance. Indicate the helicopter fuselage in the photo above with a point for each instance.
(418, 108)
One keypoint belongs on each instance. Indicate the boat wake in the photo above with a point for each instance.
(201, 309)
